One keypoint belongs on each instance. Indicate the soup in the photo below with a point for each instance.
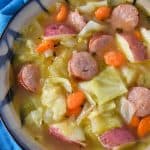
(82, 75)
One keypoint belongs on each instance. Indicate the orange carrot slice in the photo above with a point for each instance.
(114, 58)
(45, 45)
(134, 122)
(102, 13)
(74, 112)
(144, 127)
(63, 13)
(75, 100)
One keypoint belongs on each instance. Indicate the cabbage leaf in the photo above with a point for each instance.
(89, 7)
(104, 87)
(90, 28)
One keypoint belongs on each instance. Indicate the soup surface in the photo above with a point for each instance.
(82, 75)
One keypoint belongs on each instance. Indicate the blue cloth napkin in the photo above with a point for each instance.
(7, 9)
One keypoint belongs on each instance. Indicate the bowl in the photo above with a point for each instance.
(7, 112)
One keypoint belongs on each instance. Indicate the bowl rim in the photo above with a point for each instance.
(13, 136)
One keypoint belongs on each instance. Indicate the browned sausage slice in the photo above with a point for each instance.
(29, 77)
(58, 29)
(137, 48)
(83, 66)
(125, 16)
(76, 21)
(100, 43)
(140, 98)
(116, 137)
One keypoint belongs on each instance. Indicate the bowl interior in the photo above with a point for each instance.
(8, 114)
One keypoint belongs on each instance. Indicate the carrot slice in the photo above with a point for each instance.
(144, 127)
(138, 35)
(102, 13)
(74, 112)
(134, 122)
(63, 13)
(114, 58)
(75, 100)
(45, 45)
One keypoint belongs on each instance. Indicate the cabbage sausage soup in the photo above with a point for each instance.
(82, 75)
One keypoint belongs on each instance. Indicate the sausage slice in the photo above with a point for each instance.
(116, 137)
(125, 16)
(58, 29)
(83, 66)
(100, 43)
(76, 21)
(140, 98)
(29, 77)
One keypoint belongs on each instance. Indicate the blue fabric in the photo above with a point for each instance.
(7, 9)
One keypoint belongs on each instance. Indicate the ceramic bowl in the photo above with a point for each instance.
(7, 112)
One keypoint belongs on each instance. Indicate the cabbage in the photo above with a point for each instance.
(53, 98)
(87, 108)
(56, 112)
(59, 109)
(146, 36)
(105, 86)
(61, 81)
(126, 109)
(124, 47)
(31, 45)
(50, 93)
(117, 2)
(33, 31)
(54, 88)
(35, 118)
(68, 42)
(106, 107)
(89, 7)
(104, 122)
(129, 73)
(90, 28)
(60, 64)
(69, 130)
(144, 74)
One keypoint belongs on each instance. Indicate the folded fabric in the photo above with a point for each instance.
(7, 9)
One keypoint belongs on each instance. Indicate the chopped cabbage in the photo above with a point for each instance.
(126, 109)
(59, 109)
(26, 108)
(106, 107)
(56, 112)
(124, 47)
(69, 129)
(62, 81)
(35, 118)
(105, 86)
(89, 7)
(104, 122)
(54, 88)
(117, 2)
(60, 64)
(87, 108)
(50, 93)
(90, 28)
(48, 116)
(146, 36)
(130, 74)
(144, 74)
(31, 45)
(33, 31)
(68, 42)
